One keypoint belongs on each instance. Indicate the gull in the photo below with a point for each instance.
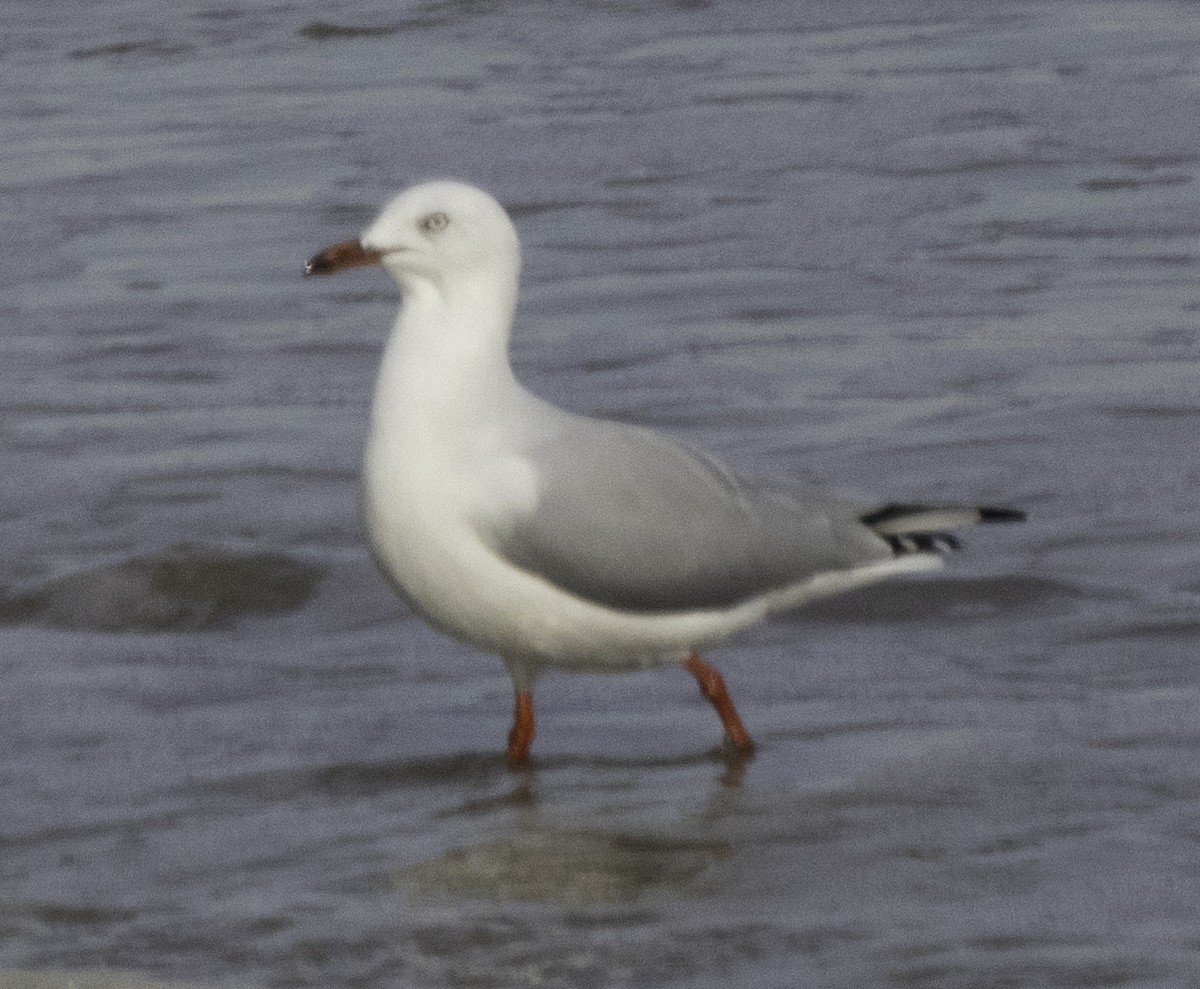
(560, 541)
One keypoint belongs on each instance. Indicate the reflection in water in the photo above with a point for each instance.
(550, 864)
(537, 852)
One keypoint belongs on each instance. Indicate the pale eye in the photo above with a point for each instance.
(434, 222)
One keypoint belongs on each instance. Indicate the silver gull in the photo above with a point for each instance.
(561, 541)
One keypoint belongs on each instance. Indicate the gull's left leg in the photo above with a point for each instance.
(520, 737)
(712, 686)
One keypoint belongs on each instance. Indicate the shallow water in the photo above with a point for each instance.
(929, 249)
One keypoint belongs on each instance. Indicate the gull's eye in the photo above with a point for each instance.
(434, 222)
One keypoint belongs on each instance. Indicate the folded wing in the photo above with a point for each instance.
(633, 520)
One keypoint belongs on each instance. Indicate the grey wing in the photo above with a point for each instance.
(634, 520)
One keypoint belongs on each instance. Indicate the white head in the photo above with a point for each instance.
(436, 233)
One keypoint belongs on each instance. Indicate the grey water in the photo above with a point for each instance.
(933, 250)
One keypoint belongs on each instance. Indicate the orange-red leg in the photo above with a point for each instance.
(520, 737)
(712, 686)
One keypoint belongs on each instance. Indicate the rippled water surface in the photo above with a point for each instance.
(933, 250)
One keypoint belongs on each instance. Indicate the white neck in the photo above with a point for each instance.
(447, 358)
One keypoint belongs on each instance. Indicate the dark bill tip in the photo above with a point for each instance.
(347, 254)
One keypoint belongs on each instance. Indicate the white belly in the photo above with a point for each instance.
(424, 524)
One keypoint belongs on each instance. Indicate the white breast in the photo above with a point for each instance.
(445, 461)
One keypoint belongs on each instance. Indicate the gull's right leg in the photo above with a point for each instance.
(520, 737)
(712, 686)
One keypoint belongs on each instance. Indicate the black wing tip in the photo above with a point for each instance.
(993, 514)
(935, 543)
(887, 513)
(930, 540)
(899, 510)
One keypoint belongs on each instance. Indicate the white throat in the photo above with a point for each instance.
(446, 363)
